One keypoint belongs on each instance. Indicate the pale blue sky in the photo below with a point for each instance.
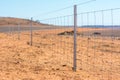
(36, 8)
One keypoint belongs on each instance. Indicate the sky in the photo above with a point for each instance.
(38, 8)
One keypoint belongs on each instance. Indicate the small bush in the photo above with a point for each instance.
(96, 33)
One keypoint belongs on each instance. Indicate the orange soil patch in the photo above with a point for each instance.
(51, 57)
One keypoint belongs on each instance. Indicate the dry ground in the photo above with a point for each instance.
(51, 57)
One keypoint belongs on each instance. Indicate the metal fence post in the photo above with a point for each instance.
(31, 33)
(75, 37)
(9, 31)
(18, 31)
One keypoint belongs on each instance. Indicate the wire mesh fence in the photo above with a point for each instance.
(98, 43)
(55, 40)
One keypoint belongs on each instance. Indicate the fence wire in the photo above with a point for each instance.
(98, 43)
(99, 48)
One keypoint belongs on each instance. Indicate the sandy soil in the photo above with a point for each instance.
(51, 57)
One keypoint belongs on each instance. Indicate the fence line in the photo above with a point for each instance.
(93, 37)
(102, 27)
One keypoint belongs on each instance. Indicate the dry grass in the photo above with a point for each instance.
(50, 57)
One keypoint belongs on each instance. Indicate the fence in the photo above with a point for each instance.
(93, 46)
(98, 47)
(99, 56)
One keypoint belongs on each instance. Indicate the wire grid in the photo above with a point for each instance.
(57, 39)
(98, 44)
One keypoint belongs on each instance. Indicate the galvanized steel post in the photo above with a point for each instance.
(31, 33)
(18, 31)
(75, 37)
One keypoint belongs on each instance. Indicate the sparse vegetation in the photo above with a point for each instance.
(96, 33)
(70, 33)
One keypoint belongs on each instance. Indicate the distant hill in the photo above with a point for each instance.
(8, 24)
(10, 21)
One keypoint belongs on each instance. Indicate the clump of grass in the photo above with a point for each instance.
(28, 43)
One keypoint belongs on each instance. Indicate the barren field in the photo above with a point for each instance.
(51, 56)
